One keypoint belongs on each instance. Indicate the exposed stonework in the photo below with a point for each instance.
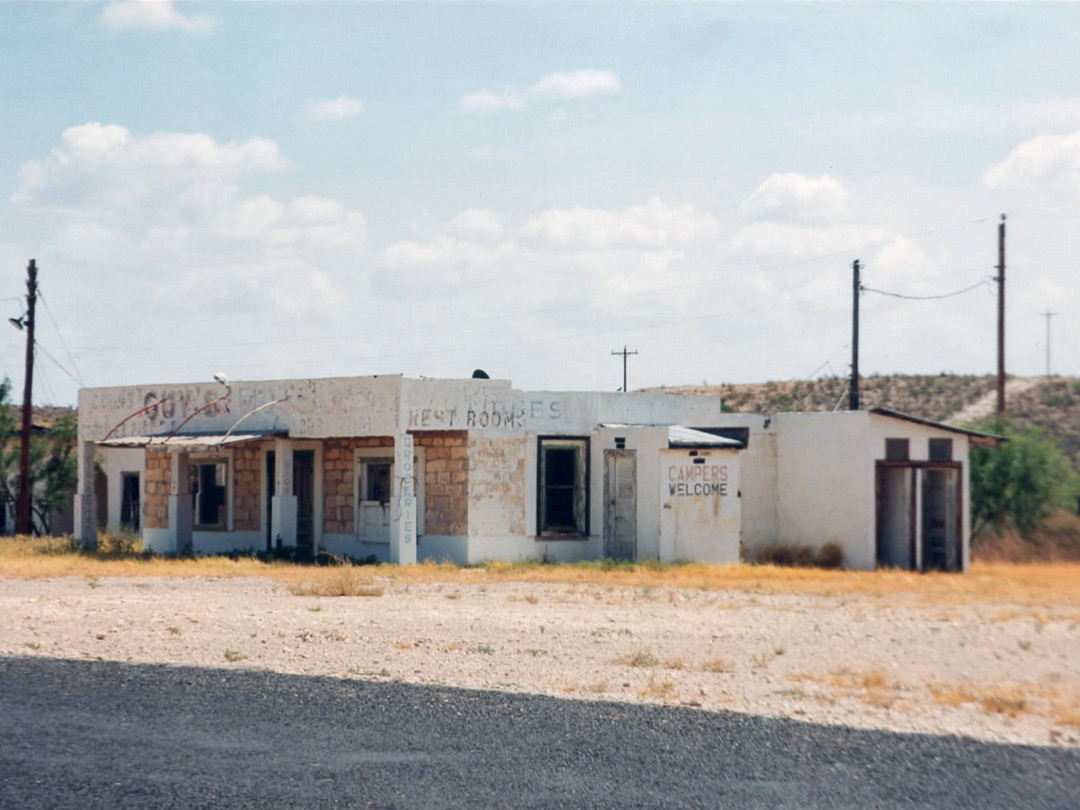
(339, 473)
(158, 480)
(247, 474)
(446, 481)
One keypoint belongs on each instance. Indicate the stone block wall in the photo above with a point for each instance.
(158, 481)
(339, 473)
(247, 487)
(446, 481)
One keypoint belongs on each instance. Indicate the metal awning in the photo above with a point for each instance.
(679, 436)
(193, 441)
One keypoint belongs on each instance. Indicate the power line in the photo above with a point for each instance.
(59, 334)
(983, 283)
(56, 362)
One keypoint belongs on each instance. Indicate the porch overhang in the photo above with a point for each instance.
(193, 442)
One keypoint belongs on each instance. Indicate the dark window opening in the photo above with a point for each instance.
(377, 484)
(897, 450)
(941, 449)
(129, 501)
(208, 491)
(563, 486)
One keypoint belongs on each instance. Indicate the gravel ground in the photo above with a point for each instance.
(996, 673)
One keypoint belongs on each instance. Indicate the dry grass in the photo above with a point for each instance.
(1036, 584)
(658, 689)
(641, 658)
(717, 665)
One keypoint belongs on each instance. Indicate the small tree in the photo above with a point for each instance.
(1021, 480)
(52, 463)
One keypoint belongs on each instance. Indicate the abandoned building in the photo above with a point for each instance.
(469, 470)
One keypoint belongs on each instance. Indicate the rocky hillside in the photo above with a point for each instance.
(1052, 403)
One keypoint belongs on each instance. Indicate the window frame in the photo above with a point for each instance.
(581, 486)
(224, 460)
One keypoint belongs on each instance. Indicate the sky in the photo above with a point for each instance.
(320, 189)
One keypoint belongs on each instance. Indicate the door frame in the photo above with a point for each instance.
(917, 540)
(610, 500)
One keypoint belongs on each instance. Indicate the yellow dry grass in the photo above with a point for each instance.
(1029, 585)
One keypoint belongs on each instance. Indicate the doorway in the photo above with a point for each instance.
(919, 516)
(304, 489)
(620, 504)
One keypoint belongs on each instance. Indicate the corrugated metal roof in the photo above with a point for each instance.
(679, 436)
(188, 441)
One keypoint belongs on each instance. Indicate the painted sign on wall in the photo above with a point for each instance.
(697, 476)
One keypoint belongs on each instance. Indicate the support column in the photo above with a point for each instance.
(181, 505)
(283, 504)
(403, 511)
(85, 502)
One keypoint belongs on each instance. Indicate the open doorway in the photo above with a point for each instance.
(919, 516)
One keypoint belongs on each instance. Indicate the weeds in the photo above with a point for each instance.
(717, 665)
(658, 689)
(233, 656)
(641, 658)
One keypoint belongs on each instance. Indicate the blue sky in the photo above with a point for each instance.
(321, 189)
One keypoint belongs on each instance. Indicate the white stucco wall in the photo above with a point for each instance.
(825, 483)
(701, 511)
(115, 462)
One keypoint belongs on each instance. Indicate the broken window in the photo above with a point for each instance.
(209, 487)
(897, 449)
(563, 486)
(940, 449)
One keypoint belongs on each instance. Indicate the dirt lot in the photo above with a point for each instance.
(997, 671)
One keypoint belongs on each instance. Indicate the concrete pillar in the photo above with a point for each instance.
(181, 506)
(85, 503)
(283, 505)
(403, 500)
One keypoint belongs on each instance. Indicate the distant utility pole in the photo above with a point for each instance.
(853, 403)
(23, 524)
(1048, 315)
(624, 354)
(1001, 320)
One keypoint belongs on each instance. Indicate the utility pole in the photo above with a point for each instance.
(624, 354)
(853, 403)
(1001, 321)
(1048, 315)
(23, 524)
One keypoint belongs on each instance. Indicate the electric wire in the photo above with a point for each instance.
(77, 376)
(985, 281)
(44, 351)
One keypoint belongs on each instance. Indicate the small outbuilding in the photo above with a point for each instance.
(406, 469)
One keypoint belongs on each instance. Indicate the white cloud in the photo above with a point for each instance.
(798, 197)
(334, 109)
(153, 15)
(577, 84)
(655, 224)
(488, 101)
(107, 162)
(90, 242)
(572, 85)
(1048, 161)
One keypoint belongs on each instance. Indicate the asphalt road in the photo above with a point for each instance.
(93, 734)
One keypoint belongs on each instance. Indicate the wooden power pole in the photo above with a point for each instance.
(853, 402)
(624, 354)
(1001, 321)
(23, 523)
